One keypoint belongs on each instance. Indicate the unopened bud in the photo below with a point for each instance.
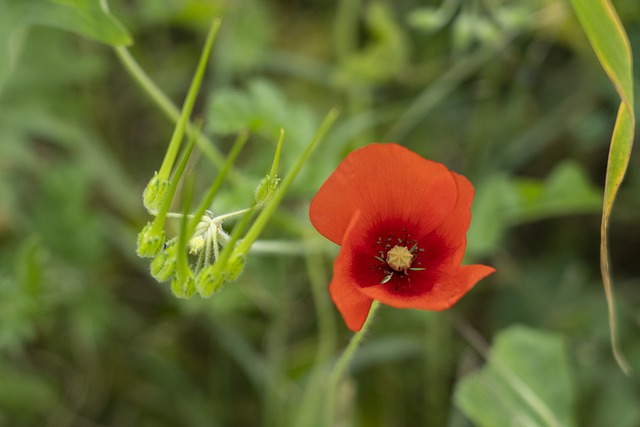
(234, 266)
(266, 189)
(183, 287)
(150, 241)
(155, 193)
(163, 266)
(210, 280)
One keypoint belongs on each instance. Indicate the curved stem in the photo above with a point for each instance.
(310, 404)
(264, 216)
(342, 364)
(214, 241)
(145, 82)
(221, 218)
(168, 108)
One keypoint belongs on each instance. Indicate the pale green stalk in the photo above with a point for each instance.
(213, 190)
(189, 101)
(276, 157)
(164, 103)
(262, 219)
(310, 406)
(183, 272)
(223, 217)
(163, 212)
(342, 364)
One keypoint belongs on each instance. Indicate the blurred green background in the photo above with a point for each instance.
(508, 93)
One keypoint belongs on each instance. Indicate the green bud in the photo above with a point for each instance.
(163, 266)
(234, 266)
(183, 287)
(210, 280)
(155, 193)
(150, 241)
(266, 189)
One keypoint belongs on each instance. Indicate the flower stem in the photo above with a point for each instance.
(264, 216)
(342, 364)
(189, 102)
(164, 209)
(213, 190)
(310, 405)
(164, 103)
(223, 217)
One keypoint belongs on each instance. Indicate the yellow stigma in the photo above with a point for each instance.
(399, 258)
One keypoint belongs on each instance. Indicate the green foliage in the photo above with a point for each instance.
(526, 382)
(611, 45)
(383, 57)
(502, 203)
(20, 298)
(262, 109)
(72, 230)
(84, 17)
(506, 93)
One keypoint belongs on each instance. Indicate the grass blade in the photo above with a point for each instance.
(610, 43)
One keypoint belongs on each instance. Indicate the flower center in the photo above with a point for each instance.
(396, 257)
(399, 258)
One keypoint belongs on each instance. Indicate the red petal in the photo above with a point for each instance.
(346, 295)
(352, 305)
(446, 290)
(384, 181)
(452, 234)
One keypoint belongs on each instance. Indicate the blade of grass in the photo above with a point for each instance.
(611, 45)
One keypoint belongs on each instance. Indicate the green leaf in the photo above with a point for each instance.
(494, 198)
(25, 393)
(11, 20)
(73, 231)
(262, 109)
(503, 202)
(383, 57)
(566, 191)
(611, 45)
(526, 382)
(85, 17)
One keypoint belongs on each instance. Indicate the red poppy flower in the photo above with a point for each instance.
(401, 222)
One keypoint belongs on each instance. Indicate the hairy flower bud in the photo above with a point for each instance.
(163, 266)
(150, 241)
(234, 266)
(183, 287)
(155, 193)
(210, 280)
(266, 189)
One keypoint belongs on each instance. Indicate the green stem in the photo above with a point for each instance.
(145, 82)
(287, 247)
(164, 209)
(164, 103)
(221, 218)
(260, 222)
(276, 157)
(214, 243)
(438, 357)
(182, 263)
(342, 364)
(178, 215)
(213, 190)
(189, 102)
(310, 406)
